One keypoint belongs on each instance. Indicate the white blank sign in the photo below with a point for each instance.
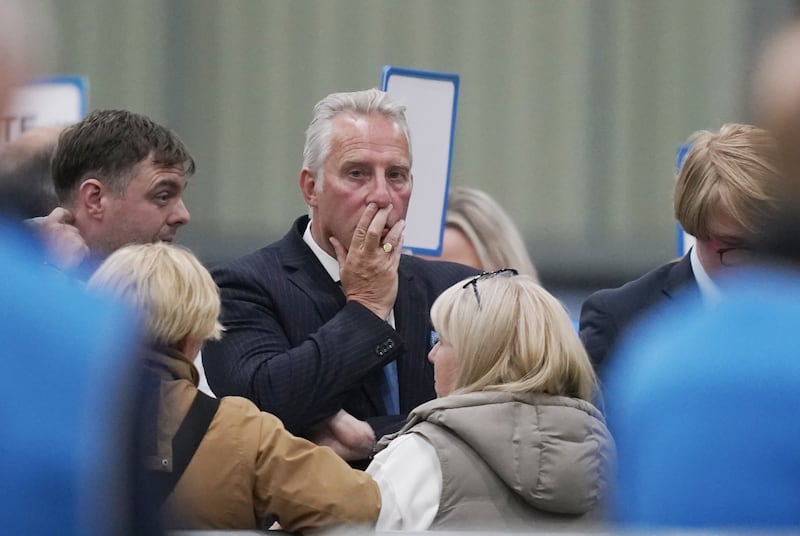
(54, 101)
(430, 99)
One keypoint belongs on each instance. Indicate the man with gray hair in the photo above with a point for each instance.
(332, 316)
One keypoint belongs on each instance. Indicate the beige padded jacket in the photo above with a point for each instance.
(517, 461)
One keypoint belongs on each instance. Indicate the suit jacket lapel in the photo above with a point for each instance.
(306, 272)
(411, 322)
(680, 279)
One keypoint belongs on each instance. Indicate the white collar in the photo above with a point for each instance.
(330, 264)
(709, 291)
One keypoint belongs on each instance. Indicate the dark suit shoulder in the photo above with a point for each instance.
(437, 275)
(249, 268)
(254, 257)
(607, 313)
(259, 264)
(631, 298)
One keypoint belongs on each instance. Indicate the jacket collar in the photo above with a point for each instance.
(170, 364)
(680, 278)
(305, 271)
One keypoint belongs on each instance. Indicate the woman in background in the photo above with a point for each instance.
(479, 233)
(246, 467)
(513, 441)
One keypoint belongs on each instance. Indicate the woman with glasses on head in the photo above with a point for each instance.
(513, 441)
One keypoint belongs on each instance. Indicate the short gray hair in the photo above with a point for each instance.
(318, 133)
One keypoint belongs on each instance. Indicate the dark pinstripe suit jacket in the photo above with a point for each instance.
(296, 348)
(606, 314)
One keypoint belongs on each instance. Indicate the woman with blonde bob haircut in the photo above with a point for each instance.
(174, 293)
(513, 441)
(246, 467)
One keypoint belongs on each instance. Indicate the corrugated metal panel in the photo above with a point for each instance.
(570, 110)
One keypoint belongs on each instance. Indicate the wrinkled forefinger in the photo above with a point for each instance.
(360, 232)
(377, 226)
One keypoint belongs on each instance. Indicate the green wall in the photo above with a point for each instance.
(570, 110)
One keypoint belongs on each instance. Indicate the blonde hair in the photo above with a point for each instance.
(167, 284)
(518, 340)
(489, 229)
(734, 172)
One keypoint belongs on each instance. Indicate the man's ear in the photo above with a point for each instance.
(90, 197)
(308, 185)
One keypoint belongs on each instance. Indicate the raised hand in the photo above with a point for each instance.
(63, 240)
(368, 268)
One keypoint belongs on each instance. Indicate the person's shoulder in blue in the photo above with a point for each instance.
(702, 400)
(66, 373)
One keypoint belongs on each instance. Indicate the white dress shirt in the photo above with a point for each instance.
(410, 479)
(709, 291)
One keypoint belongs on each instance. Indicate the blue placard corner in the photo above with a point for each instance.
(389, 70)
(81, 83)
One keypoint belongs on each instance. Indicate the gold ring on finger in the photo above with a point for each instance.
(387, 247)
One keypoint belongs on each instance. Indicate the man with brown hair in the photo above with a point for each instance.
(120, 178)
(726, 191)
